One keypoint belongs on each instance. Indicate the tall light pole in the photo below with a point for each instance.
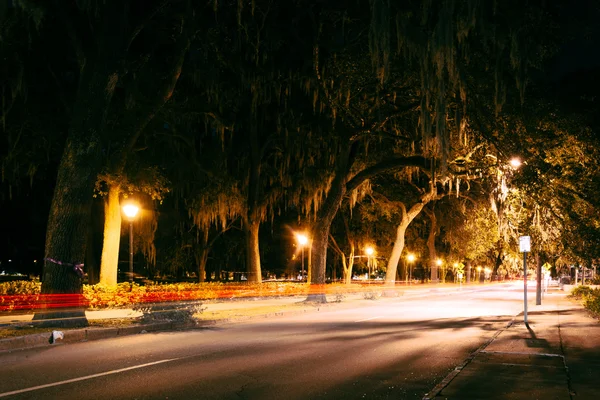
(439, 263)
(130, 210)
(302, 241)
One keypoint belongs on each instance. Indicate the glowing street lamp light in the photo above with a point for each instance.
(515, 162)
(302, 240)
(130, 210)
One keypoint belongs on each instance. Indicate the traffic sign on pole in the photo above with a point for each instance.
(525, 244)
(525, 247)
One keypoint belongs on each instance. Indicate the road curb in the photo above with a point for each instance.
(89, 334)
(83, 335)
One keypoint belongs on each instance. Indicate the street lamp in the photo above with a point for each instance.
(410, 258)
(439, 263)
(130, 210)
(478, 274)
(302, 241)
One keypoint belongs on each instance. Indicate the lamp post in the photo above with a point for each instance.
(439, 263)
(302, 240)
(478, 274)
(410, 258)
(130, 210)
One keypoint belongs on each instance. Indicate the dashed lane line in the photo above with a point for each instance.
(368, 319)
(83, 378)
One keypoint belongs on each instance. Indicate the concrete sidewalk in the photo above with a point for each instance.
(557, 357)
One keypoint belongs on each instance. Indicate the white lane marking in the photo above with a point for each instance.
(83, 378)
(368, 319)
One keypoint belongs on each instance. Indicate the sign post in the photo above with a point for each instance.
(525, 247)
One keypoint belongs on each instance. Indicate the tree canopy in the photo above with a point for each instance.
(350, 120)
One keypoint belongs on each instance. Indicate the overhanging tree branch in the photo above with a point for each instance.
(388, 165)
(378, 125)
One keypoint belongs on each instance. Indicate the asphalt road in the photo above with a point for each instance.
(397, 348)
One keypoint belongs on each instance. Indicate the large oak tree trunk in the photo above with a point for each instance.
(112, 238)
(251, 220)
(202, 257)
(67, 232)
(68, 222)
(251, 229)
(202, 260)
(407, 218)
(431, 247)
(392, 267)
(348, 268)
(320, 236)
